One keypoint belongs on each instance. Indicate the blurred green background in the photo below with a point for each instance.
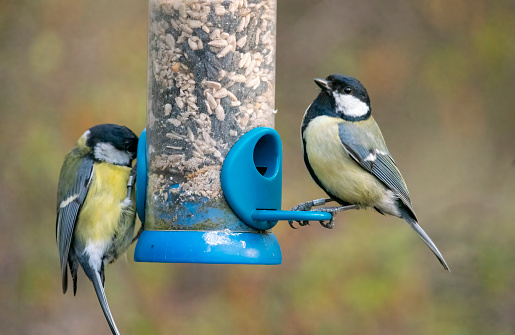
(441, 76)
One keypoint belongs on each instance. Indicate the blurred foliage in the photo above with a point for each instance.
(441, 76)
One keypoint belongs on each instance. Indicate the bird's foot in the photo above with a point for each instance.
(333, 210)
(307, 206)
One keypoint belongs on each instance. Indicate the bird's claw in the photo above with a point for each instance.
(301, 223)
(329, 224)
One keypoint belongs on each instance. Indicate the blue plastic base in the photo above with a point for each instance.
(212, 247)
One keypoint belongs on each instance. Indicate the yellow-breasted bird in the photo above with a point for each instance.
(96, 209)
(347, 157)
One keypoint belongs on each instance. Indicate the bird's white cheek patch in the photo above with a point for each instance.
(350, 105)
(108, 153)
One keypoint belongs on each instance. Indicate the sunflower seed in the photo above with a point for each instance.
(179, 102)
(170, 41)
(191, 137)
(224, 51)
(215, 34)
(209, 110)
(232, 41)
(220, 113)
(186, 29)
(244, 60)
(174, 136)
(168, 109)
(192, 44)
(241, 26)
(258, 32)
(241, 42)
(239, 78)
(220, 94)
(175, 122)
(252, 82)
(212, 84)
(211, 101)
(219, 10)
(194, 24)
(244, 120)
(232, 96)
(218, 43)
(182, 10)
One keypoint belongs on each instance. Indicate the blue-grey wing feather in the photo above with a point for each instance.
(361, 147)
(385, 170)
(67, 213)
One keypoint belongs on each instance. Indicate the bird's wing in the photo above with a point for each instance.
(373, 156)
(74, 183)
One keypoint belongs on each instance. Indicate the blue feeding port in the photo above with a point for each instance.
(252, 181)
(252, 175)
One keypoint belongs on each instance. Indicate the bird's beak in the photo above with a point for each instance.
(322, 83)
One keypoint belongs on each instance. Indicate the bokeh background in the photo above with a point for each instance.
(441, 75)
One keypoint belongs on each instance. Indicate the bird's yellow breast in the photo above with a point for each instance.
(100, 214)
(340, 175)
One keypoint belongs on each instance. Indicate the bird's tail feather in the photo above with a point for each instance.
(427, 240)
(99, 289)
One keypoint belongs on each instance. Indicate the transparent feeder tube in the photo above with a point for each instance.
(211, 78)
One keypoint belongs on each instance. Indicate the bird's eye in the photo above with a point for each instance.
(347, 90)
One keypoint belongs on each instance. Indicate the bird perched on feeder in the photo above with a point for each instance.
(347, 157)
(95, 206)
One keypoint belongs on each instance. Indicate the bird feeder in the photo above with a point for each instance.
(210, 162)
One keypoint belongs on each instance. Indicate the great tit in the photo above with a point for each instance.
(345, 153)
(95, 206)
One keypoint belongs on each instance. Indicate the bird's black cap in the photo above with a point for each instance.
(345, 85)
(121, 137)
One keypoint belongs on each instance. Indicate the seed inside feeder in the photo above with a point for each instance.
(211, 80)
